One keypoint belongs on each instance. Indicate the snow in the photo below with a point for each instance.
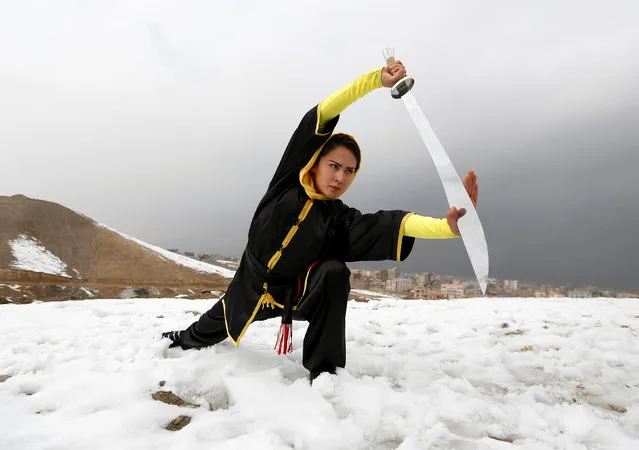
(185, 261)
(30, 255)
(371, 294)
(15, 287)
(466, 374)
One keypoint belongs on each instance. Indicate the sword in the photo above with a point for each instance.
(472, 232)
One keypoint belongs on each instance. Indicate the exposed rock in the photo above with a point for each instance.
(170, 398)
(515, 333)
(52, 290)
(617, 409)
(502, 439)
(178, 423)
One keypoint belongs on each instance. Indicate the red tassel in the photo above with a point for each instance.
(284, 343)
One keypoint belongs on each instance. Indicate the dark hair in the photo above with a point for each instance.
(344, 140)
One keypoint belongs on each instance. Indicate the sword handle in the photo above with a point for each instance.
(402, 86)
(389, 56)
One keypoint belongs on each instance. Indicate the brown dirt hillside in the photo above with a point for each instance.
(65, 233)
(93, 254)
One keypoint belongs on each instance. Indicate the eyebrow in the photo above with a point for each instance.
(340, 165)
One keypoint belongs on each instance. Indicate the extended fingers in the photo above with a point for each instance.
(470, 183)
(470, 180)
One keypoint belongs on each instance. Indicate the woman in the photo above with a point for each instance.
(301, 236)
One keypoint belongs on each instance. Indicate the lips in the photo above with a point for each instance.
(334, 188)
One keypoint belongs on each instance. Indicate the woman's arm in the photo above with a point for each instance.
(336, 103)
(317, 124)
(427, 228)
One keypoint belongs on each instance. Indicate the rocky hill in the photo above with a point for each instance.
(48, 251)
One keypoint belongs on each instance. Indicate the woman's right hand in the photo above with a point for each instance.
(393, 73)
(453, 215)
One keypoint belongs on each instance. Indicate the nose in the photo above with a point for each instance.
(339, 177)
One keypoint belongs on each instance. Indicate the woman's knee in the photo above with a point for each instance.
(336, 269)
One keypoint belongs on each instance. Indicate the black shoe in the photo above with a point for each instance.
(316, 373)
(174, 336)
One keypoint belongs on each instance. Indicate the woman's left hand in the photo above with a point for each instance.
(453, 215)
(393, 73)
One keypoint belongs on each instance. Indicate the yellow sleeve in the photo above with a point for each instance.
(427, 228)
(333, 105)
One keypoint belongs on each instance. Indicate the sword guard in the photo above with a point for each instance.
(402, 87)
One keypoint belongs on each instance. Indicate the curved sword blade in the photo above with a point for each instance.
(469, 225)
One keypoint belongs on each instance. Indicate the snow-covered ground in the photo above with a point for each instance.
(467, 374)
(370, 294)
(29, 254)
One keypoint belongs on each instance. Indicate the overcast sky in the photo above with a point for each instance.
(165, 120)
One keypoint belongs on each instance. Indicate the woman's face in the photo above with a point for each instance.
(335, 172)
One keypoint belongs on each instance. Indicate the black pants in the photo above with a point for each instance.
(323, 306)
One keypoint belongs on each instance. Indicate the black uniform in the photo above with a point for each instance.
(294, 262)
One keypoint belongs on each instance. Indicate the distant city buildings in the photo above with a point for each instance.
(393, 273)
(399, 285)
(579, 293)
(471, 289)
(510, 285)
(452, 290)
(434, 286)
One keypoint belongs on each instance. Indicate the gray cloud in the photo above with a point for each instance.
(166, 122)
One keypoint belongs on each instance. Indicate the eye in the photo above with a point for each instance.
(333, 166)
(350, 171)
